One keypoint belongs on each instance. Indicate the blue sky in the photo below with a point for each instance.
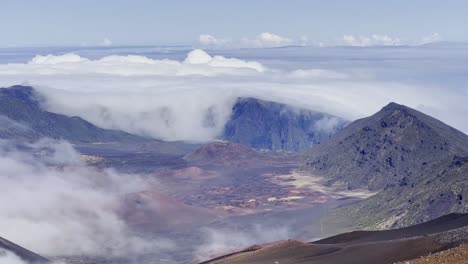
(152, 22)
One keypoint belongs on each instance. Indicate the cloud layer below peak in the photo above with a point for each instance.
(271, 40)
(197, 62)
(173, 99)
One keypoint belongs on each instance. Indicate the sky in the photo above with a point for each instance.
(176, 22)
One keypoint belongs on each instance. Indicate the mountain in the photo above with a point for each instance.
(22, 253)
(275, 126)
(393, 146)
(22, 117)
(418, 164)
(228, 154)
(361, 247)
(224, 153)
(441, 190)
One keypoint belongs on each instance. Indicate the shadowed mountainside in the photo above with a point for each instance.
(22, 117)
(392, 146)
(275, 126)
(419, 163)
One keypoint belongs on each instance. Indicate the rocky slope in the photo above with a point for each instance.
(419, 165)
(21, 117)
(274, 126)
(228, 154)
(360, 247)
(458, 255)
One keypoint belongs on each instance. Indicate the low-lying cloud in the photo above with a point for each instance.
(59, 206)
(8, 257)
(173, 99)
(373, 40)
(262, 40)
(225, 241)
(272, 40)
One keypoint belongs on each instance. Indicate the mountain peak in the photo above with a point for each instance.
(393, 106)
(393, 145)
(23, 93)
(277, 126)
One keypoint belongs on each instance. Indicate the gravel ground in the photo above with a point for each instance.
(457, 255)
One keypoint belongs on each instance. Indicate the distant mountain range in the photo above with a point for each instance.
(419, 165)
(275, 126)
(22, 117)
(253, 122)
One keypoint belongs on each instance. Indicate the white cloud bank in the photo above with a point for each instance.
(197, 62)
(262, 40)
(374, 40)
(59, 206)
(268, 40)
(271, 40)
(192, 99)
(106, 42)
(7, 257)
(386, 40)
(434, 37)
(210, 40)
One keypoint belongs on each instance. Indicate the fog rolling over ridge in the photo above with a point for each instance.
(172, 99)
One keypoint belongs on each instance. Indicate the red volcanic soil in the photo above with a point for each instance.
(361, 247)
(233, 154)
(193, 172)
(458, 255)
(156, 211)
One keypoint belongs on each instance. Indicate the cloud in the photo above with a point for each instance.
(304, 40)
(434, 37)
(197, 62)
(373, 40)
(328, 125)
(225, 241)
(200, 57)
(209, 40)
(63, 207)
(105, 42)
(7, 257)
(10, 126)
(52, 59)
(262, 40)
(266, 40)
(171, 100)
(269, 40)
(316, 74)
